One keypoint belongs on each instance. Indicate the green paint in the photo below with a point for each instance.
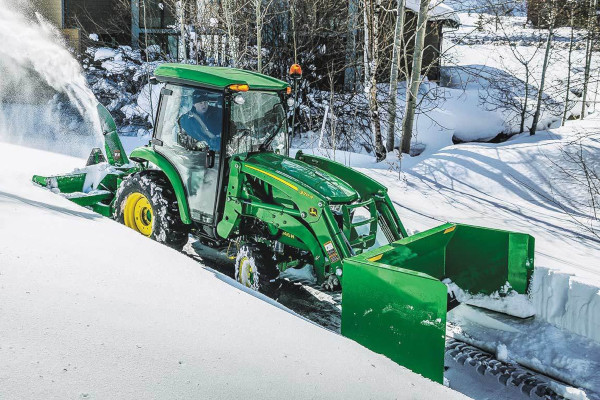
(396, 312)
(481, 260)
(303, 175)
(69, 183)
(115, 153)
(217, 77)
(366, 187)
(148, 154)
(401, 288)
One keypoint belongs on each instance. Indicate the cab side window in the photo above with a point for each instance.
(191, 118)
(189, 126)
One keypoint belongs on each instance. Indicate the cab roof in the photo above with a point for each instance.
(216, 77)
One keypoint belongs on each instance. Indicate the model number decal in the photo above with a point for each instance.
(284, 233)
(303, 193)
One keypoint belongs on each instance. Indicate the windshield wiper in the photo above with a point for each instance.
(271, 136)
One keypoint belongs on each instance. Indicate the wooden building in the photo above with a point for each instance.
(115, 22)
(440, 17)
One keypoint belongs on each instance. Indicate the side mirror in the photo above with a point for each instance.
(210, 159)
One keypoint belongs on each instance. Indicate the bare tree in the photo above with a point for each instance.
(591, 26)
(571, 6)
(260, 11)
(415, 77)
(502, 85)
(398, 34)
(551, 21)
(371, 60)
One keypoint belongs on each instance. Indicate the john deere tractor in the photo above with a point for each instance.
(218, 168)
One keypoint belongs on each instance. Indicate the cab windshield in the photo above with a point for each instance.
(258, 123)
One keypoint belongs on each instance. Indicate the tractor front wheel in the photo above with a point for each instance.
(255, 270)
(146, 203)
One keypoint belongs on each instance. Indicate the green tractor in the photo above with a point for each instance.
(218, 168)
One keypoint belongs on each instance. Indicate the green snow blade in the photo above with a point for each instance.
(394, 302)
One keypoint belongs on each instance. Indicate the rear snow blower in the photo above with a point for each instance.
(218, 168)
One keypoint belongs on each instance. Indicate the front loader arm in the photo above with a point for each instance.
(299, 216)
(366, 187)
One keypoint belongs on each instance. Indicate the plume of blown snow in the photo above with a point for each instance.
(43, 90)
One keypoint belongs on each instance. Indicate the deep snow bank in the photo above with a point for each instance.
(90, 309)
(567, 302)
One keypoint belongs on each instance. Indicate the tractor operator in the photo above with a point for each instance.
(201, 125)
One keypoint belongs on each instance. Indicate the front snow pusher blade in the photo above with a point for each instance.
(394, 302)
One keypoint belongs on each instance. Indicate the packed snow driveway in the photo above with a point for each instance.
(91, 309)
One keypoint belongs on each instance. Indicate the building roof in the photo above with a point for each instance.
(217, 77)
(438, 11)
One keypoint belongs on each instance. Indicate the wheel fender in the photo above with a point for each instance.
(148, 154)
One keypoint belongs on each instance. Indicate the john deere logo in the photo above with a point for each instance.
(313, 211)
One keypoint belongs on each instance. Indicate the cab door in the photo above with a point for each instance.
(195, 155)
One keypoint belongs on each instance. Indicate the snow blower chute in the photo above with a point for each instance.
(218, 168)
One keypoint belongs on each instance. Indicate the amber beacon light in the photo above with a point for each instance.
(239, 87)
(296, 71)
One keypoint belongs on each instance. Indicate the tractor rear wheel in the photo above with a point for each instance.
(256, 270)
(146, 203)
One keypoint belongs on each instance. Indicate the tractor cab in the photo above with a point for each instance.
(208, 114)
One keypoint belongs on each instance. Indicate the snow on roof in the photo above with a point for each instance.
(438, 11)
(92, 309)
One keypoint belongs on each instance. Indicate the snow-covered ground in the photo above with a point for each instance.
(515, 185)
(90, 309)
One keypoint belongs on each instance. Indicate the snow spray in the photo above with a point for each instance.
(42, 85)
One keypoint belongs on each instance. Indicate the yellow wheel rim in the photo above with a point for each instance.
(245, 273)
(138, 214)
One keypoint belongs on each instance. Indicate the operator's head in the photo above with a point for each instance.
(200, 103)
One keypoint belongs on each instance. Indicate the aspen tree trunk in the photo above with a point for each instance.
(227, 14)
(524, 110)
(366, 45)
(538, 107)
(596, 92)
(588, 53)
(182, 27)
(564, 118)
(371, 27)
(257, 4)
(398, 34)
(332, 110)
(415, 77)
(148, 61)
(293, 18)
